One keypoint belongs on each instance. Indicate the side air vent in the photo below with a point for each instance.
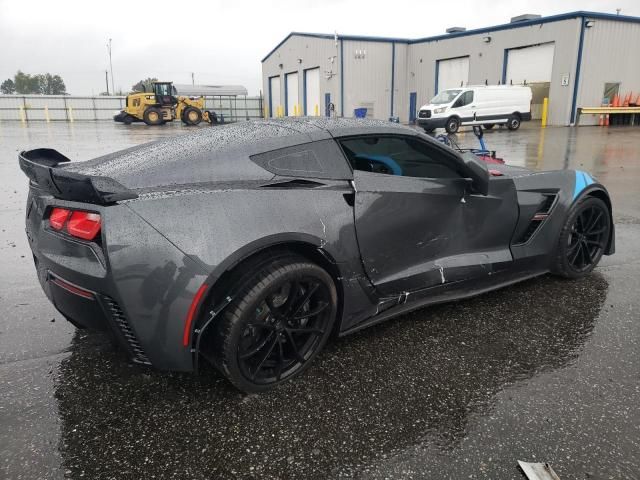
(297, 183)
(538, 219)
(121, 321)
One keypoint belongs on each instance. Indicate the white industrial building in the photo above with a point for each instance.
(575, 59)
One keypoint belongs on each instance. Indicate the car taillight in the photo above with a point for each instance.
(57, 218)
(80, 224)
(84, 225)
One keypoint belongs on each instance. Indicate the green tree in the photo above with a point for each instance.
(25, 83)
(51, 84)
(143, 85)
(8, 87)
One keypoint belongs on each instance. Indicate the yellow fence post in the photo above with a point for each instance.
(316, 110)
(70, 114)
(545, 109)
(46, 113)
(23, 117)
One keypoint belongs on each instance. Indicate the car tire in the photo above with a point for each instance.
(514, 122)
(488, 126)
(583, 238)
(267, 336)
(192, 116)
(153, 116)
(452, 125)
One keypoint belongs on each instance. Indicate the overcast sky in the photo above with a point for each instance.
(222, 42)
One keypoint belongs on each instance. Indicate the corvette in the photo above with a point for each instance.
(250, 244)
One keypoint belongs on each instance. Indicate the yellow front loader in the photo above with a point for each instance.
(162, 105)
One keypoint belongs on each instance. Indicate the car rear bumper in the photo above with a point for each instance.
(90, 309)
(132, 282)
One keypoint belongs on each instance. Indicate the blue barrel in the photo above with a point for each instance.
(360, 112)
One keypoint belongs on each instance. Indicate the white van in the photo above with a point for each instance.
(481, 105)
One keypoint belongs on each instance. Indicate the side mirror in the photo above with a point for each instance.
(478, 172)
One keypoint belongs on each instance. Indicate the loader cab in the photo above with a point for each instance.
(165, 93)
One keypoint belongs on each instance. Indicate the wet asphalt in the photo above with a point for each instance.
(544, 371)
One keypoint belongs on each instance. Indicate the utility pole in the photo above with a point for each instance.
(113, 89)
(106, 79)
(193, 81)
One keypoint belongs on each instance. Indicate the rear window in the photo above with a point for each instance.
(322, 159)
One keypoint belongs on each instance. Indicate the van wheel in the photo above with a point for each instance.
(514, 122)
(453, 125)
(488, 126)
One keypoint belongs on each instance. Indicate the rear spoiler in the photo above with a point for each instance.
(40, 166)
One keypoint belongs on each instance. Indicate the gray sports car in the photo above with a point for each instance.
(249, 244)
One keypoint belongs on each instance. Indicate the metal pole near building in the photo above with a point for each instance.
(113, 89)
(106, 79)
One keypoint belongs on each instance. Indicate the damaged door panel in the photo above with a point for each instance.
(416, 232)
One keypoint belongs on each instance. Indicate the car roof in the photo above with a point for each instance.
(224, 152)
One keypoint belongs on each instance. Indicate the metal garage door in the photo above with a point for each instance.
(291, 89)
(452, 73)
(530, 64)
(274, 96)
(312, 92)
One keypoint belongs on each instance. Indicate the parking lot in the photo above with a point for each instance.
(544, 371)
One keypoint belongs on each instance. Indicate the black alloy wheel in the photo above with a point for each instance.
(280, 321)
(584, 238)
(587, 238)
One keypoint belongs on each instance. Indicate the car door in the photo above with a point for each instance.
(417, 223)
(464, 108)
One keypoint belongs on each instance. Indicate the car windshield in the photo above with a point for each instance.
(446, 96)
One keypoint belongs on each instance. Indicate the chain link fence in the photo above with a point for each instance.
(28, 108)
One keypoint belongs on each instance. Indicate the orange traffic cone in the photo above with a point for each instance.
(626, 100)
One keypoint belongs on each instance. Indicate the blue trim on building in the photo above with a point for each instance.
(505, 59)
(576, 80)
(496, 28)
(341, 78)
(270, 97)
(304, 91)
(393, 73)
(413, 105)
(286, 93)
